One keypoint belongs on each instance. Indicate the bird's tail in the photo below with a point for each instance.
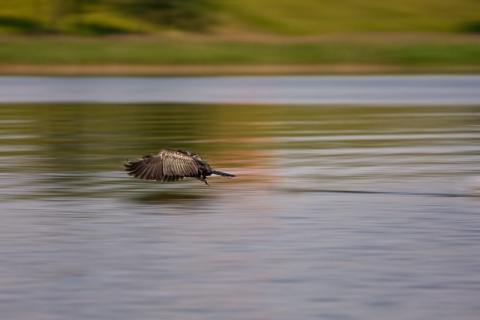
(223, 174)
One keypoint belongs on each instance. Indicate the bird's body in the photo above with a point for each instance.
(172, 165)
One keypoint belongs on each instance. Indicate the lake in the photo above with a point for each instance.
(337, 212)
(284, 90)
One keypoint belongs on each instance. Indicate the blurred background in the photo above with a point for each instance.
(352, 127)
(232, 37)
(306, 17)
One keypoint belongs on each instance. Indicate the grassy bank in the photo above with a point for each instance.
(245, 37)
(203, 55)
(280, 17)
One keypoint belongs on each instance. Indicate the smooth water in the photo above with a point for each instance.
(337, 212)
(380, 90)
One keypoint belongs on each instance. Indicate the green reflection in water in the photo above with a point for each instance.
(76, 150)
(98, 137)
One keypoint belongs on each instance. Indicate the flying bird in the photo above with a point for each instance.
(172, 165)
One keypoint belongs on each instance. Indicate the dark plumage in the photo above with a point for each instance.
(172, 165)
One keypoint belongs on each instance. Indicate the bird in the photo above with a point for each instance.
(172, 165)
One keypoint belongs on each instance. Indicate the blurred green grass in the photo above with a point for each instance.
(412, 33)
(150, 51)
(285, 17)
(303, 17)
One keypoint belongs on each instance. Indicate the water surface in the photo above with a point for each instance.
(337, 212)
(433, 90)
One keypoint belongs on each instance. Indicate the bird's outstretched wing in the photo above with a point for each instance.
(168, 165)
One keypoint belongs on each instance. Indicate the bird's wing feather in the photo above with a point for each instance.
(167, 165)
(149, 168)
(178, 163)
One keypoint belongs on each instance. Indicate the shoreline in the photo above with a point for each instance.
(206, 70)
